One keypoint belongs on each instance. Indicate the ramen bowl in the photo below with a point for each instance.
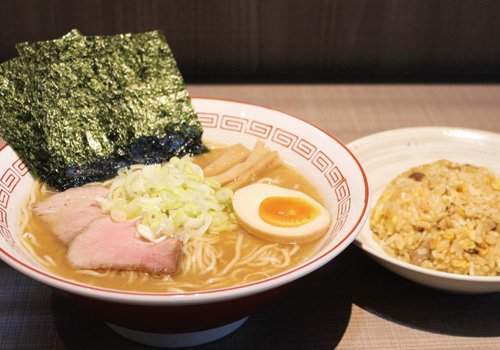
(191, 318)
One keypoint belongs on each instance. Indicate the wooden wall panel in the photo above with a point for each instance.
(287, 39)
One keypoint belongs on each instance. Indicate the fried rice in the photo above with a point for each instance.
(443, 216)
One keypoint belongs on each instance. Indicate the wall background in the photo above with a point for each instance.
(287, 40)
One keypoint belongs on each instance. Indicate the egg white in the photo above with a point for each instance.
(246, 203)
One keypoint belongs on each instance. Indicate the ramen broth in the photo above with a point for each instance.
(51, 253)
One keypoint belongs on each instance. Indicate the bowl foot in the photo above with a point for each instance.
(177, 340)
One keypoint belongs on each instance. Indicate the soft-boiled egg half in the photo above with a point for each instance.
(279, 214)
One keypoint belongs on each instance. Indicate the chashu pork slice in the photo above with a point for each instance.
(67, 213)
(105, 243)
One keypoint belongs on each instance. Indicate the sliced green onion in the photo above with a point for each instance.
(169, 200)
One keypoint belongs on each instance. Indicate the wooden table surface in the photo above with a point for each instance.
(352, 302)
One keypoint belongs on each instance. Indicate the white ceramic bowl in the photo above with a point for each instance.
(387, 154)
(193, 318)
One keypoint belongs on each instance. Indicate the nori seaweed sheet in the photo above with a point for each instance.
(17, 125)
(95, 105)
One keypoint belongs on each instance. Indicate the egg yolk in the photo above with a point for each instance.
(287, 211)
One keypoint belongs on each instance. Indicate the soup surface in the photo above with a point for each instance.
(228, 259)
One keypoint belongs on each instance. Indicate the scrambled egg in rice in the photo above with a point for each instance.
(443, 216)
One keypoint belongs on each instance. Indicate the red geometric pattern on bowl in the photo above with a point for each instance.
(284, 138)
(4, 198)
(321, 161)
(232, 123)
(10, 179)
(342, 191)
(344, 208)
(208, 120)
(334, 176)
(8, 182)
(3, 218)
(259, 129)
(304, 148)
(339, 224)
(20, 167)
(5, 233)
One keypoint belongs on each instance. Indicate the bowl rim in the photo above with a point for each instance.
(213, 295)
(422, 270)
(367, 246)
